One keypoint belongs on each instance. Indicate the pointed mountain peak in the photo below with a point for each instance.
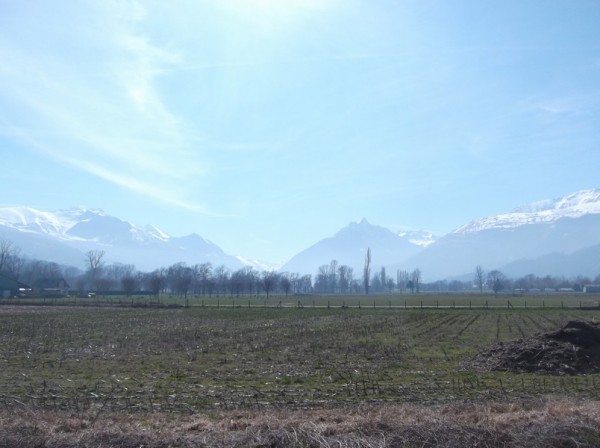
(362, 224)
(349, 245)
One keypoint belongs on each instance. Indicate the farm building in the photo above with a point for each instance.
(10, 287)
(592, 289)
(51, 287)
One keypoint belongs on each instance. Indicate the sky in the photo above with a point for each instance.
(267, 125)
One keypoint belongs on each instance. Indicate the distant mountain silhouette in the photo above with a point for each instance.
(349, 247)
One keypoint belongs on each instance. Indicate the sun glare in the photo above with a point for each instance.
(271, 16)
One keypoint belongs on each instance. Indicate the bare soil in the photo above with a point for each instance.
(572, 350)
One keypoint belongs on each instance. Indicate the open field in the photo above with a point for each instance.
(92, 366)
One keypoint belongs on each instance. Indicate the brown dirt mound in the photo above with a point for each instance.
(572, 350)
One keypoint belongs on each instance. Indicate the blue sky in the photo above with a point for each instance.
(266, 125)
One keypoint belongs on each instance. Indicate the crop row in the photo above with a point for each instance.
(181, 360)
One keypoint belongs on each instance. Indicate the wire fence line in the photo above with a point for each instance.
(319, 302)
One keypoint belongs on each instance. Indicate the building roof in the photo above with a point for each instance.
(10, 283)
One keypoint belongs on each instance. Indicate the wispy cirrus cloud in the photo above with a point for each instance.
(564, 104)
(98, 109)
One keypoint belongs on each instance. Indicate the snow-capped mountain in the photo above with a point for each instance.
(532, 239)
(576, 205)
(76, 224)
(559, 236)
(28, 219)
(65, 235)
(349, 246)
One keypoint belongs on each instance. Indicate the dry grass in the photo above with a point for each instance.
(529, 423)
(280, 378)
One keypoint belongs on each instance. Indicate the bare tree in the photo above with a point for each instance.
(221, 277)
(367, 271)
(6, 251)
(268, 281)
(390, 285)
(322, 279)
(304, 284)
(129, 283)
(345, 278)
(36, 270)
(105, 284)
(286, 283)
(236, 282)
(10, 261)
(93, 259)
(179, 278)
(251, 280)
(416, 280)
(204, 276)
(495, 280)
(333, 276)
(401, 280)
(479, 277)
(376, 285)
(157, 281)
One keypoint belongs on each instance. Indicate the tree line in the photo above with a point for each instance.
(204, 279)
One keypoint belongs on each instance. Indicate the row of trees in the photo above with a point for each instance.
(334, 278)
(204, 279)
(496, 281)
(178, 279)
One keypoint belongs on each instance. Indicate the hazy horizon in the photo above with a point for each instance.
(266, 126)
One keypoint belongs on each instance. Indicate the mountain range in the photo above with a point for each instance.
(64, 236)
(550, 237)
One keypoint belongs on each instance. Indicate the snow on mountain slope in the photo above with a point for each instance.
(31, 220)
(153, 232)
(584, 202)
(259, 265)
(84, 229)
(421, 238)
(78, 224)
(544, 231)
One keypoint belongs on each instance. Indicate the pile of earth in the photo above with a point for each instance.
(572, 350)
